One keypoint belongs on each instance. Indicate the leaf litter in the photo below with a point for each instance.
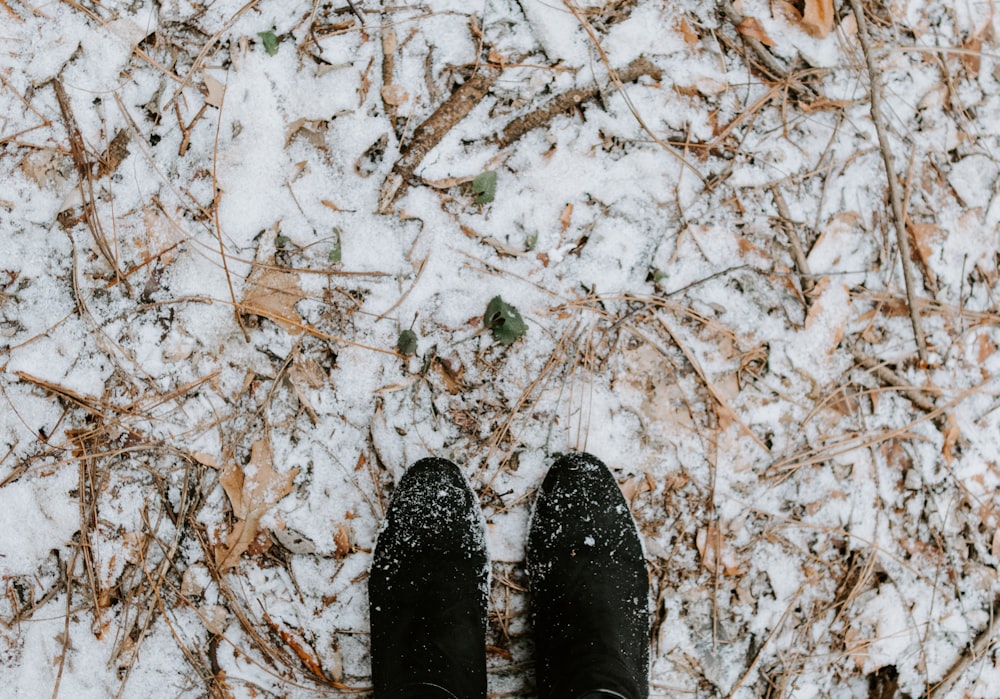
(726, 256)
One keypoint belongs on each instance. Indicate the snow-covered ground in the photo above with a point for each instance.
(217, 220)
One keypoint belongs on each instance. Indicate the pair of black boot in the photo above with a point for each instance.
(429, 584)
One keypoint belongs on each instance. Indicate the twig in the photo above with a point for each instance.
(895, 197)
(798, 254)
(571, 99)
(86, 185)
(887, 375)
(719, 398)
(975, 652)
(771, 65)
(217, 194)
(585, 23)
(429, 134)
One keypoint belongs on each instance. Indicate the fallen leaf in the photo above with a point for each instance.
(565, 217)
(817, 19)
(752, 28)
(951, 435)
(342, 540)
(689, 35)
(972, 56)
(252, 491)
(214, 90)
(272, 292)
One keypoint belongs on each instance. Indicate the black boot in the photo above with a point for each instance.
(589, 586)
(427, 589)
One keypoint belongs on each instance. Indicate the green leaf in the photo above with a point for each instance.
(270, 41)
(504, 320)
(280, 241)
(334, 254)
(485, 187)
(407, 343)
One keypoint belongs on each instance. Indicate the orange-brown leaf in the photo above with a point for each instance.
(752, 28)
(817, 17)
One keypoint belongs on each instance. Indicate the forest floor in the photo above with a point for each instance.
(257, 258)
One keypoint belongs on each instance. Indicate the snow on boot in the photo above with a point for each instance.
(589, 586)
(427, 589)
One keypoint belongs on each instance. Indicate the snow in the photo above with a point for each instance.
(668, 334)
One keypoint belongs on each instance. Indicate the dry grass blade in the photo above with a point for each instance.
(85, 172)
(798, 254)
(979, 648)
(895, 195)
(585, 23)
(716, 395)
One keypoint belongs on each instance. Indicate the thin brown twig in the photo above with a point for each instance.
(613, 74)
(798, 254)
(895, 196)
(218, 224)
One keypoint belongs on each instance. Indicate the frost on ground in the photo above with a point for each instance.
(219, 220)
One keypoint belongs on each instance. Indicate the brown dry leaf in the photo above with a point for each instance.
(272, 293)
(252, 491)
(752, 28)
(215, 91)
(342, 540)
(690, 37)
(926, 237)
(972, 56)
(986, 348)
(566, 217)
(951, 435)
(816, 17)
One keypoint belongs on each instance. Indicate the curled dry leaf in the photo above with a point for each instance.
(816, 17)
(752, 28)
(252, 491)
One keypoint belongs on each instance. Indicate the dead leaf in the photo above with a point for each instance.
(951, 435)
(252, 491)
(565, 217)
(689, 35)
(214, 90)
(752, 28)
(816, 17)
(342, 540)
(972, 56)
(986, 348)
(272, 292)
